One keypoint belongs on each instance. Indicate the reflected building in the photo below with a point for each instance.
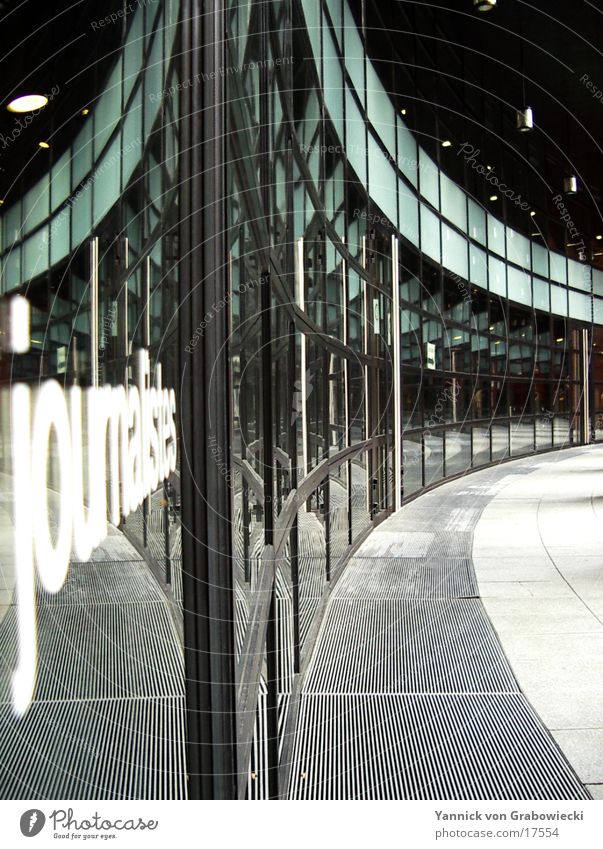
(346, 321)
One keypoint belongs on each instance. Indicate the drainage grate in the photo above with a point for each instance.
(400, 577)
(427, 747)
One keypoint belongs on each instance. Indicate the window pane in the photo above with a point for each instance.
(430, 234)
(454, 251)
(496, 235)
(454, 202)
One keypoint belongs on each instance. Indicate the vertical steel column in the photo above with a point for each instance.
(94, 312)
(397, 375)
(205, 412)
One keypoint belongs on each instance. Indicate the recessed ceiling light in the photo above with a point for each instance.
(484, 5)
(598, 238)
(85, 111)
(43, 145)
(560, 339)
(488, 167)
(1, 201)
(446, 143)
(27, 103)
(491, 327)
(532, 213)
(402, 111)
(493, 197)
(535, 234)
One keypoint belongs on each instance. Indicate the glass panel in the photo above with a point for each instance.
(434, 457)
(11, 269)
(454, 202)
(106, 177)
(429, 182)
(412, 458)
(481, 446)
(355, 138)
(430, 234)
(597, 282)
(380, 110)
(132, 138)
(409, 214)
(541, 293)
(36, 204)
(107, 111)
(579, 275)
(334, 7)
(382, 181)
(338, 514)
(81, 216)
(500, 441)
(496, 277)
(478, 268)
(59, 235)
(522, 437)
(354, 52)
(544, 432)
(60, 180)
(558, 267)
(407, 153)
(12, 225)
(153, 81)
(333, 86)
(558, 300)
(579, 306)
(454, 251)
(496, 235)
(519, 284)
(540, 260)
(35, 254)
(361, 520)
(82, 154)
(458, 451)
(518, 248)
(133, 52)
(477, 222)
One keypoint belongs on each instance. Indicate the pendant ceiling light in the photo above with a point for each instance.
(570, 185)
(525, 119)
(484, 5)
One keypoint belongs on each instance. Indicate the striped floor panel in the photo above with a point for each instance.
(408, 694)
(107, 720)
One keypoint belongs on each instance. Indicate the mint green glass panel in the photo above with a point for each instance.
(335, 9)
(382, 181)
(355, 138)
(519, 286)
(542, 295)
(312, 14)
(497, 280)
(132, 138)
(540, 260)
(578, 274)
(154, 81)
(60, 245)
(107, 111)
(408, 162)
(106, 178)
(409, 213)
(597, 282)
(453, 202)
(496, 235)
(429, 183)
(60, 180)
(354, 53)
(82, 153)
(598, 310)
(558, 267)
(454, 252)
(478, 266)
(12, 225)
(133, 51)
(36, 204)
(380, 110)
(518, 249)
(35, 254)
(477, 222)
(333, 83)
(81, 216)
(559, 300)
(579, 306)
(11, 269)
(430, 234)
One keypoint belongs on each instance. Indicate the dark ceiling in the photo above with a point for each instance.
(470, 70)
(46, 47)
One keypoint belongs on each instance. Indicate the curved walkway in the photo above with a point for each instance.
(538, 557)
(408, 692)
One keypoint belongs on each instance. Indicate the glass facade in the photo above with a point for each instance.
(374, 331)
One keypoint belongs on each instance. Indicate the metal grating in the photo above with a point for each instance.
(408, 694)
(484, 746)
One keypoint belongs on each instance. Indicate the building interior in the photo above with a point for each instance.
(301, 362)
